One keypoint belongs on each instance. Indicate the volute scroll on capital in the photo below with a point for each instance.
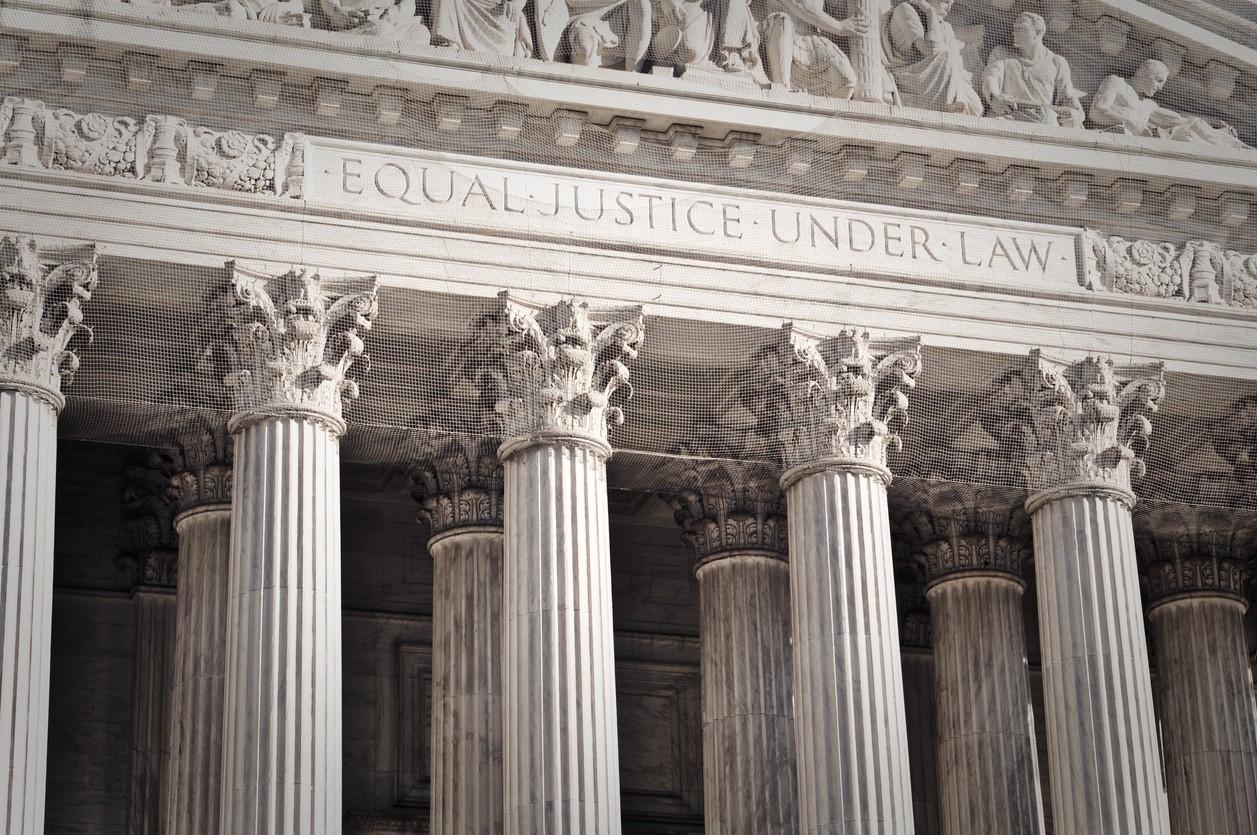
(291, 344)
(725, 511)
(458, 484)
(42, 293)
(844, 400)
(560, 370)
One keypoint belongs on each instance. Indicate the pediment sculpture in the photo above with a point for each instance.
(1029, 82)
(926, 58)
(380, 18)
(1128, 106)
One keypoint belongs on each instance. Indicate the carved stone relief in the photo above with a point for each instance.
(1197, 271)
(1126, 105)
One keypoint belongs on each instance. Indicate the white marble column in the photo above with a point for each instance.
(560, 365)
(459, 485)
(41, 297)
(202, 483)
(1085, 424)
(987, 759)
(1194, 590)
(736, 523)
(844, 399)
(290, 339)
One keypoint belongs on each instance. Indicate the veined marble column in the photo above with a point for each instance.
(289, 342)
(202, 484)
(916, 644)
(1085, 424)
(42, 292)
(988, 763)
(736, 524)
(844, 399)
(560, 366)
(1194, 566)
(460, 488)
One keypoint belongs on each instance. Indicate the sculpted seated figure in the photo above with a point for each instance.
(496, 26)
(383, 18)
(1031, 83)
(284, 12)
(797, 36)
(924, 56)
(594, 33)
(1128, 106)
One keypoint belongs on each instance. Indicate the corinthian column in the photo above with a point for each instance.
(41, 296)
(973, 556)
(560, 365)
(459, 485)
(1194, 566)
(737, 526)
(1084, 424)
(288, 345)
(844, 399)
(916, 641)
(202, 485)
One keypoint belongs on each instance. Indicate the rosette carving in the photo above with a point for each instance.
(1081, 425)
(249, 163)
(292, 343)
(844, 398)
(561, 368)
(201, 464)
(42, 292)
(148, 511)
(94, 144)
(1197, 271)
(727, 511)
(458, 483)
(1187, 552)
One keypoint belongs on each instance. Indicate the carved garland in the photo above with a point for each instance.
(1197, 271)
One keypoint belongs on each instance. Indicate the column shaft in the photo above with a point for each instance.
(150, 715)
(1209, 718)
(922, 725)
(749, 785)
(467, 682)
(1104, 762)
(28, 431)
(988, 766)
(560, 742)
(196, 703)
(849, 712)
(282, 728)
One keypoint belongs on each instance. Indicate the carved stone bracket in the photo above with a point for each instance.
(291, 343)
(201, 461)
(148, 508)
(844, 398)
(727, 511)
(42, 291)
(159, 148)
(458, 483)
(1189, 552)
(1082, 426)
(1197, 271)
(558, 369)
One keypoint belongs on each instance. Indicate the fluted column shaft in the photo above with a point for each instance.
(467, 681)
(1104, 762)
(560, 742)
(922, 725)
(28, 431)
(849, 713)
(987, 763)
(749, 785)
(1209, 717)
(154, 608)
(196, 702)
(282, 717)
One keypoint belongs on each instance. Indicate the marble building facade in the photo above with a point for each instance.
(643, 417)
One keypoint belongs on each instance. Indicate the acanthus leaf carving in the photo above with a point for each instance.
(201, 465)
(458, 483)
(844, 398)
(1193, 552)
(148, 508)
(291, 343)
(1197, 271)
(42, 292)
(727, 509)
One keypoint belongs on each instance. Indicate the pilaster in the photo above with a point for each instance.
(1084, 425)
(844, 400)
(42, 292)
(560, 367)
(736, 524)
(287, 349)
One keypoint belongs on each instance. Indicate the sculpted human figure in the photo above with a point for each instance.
(284, 12)
(1031, 83)
(496, 26)
(1128, 106)
(594, 33)
(924, 56)
(797, 36)
(383, 18)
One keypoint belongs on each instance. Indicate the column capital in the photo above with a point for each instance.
(559, 367)
(458, 483)
(201, 466)
(726, 511)
(1189, 552)
(42, 291)
(291, 343)
(1083, 425)
(916, 630)
(845, 399)
(148, 512)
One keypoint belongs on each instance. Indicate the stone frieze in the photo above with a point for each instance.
(1197, 271)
